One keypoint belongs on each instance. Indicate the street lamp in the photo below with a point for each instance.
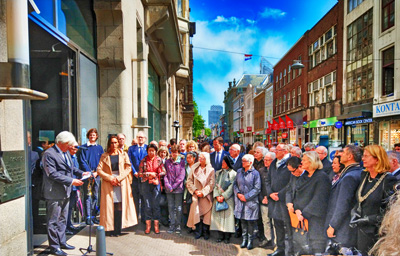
(176, 126)
(297, 64)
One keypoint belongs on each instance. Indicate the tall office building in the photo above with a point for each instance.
(214, 114)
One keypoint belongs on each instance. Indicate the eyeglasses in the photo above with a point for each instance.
(245, 161)
(141, 137)
(280, 150)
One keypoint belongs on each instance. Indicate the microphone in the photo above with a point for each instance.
(81, 147)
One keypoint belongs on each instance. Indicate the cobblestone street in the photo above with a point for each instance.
(135, 242)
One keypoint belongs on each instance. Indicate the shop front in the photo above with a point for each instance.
(387, 116)
(359, 131)
(324, 132)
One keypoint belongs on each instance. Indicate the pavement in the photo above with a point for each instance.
(133, 241)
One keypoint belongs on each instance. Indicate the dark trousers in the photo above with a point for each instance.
(72, 202)
(365, 240)
(91, 202)
(136, 196)
(249, 227)
(57, 211)
(175, 208)
(279, 227)
(151, 196)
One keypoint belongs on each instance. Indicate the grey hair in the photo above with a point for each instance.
(207, 156)
(309, 145)
(325, 150)
(271, 154)
(119, 134)
(394, 155)
(65, 137)
(249, 158)
(183, 140)
(298, 151)
(236, 146)
(355, 151)
(284, 146)
(263, 150)
(141, 133)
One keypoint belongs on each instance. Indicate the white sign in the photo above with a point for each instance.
(387, 109)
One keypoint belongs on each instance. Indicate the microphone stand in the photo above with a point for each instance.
(89, 249)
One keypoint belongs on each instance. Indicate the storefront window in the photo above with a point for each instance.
(330, 131)
(394, 133)
(293, 136)
(384, 134)
(154, 113)
(360, 135)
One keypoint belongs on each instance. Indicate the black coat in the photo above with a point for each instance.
(342, 200)
(277, 180)
(327, 168)
(311, 198)
(291, 189)
(263, 175)
(238, 163)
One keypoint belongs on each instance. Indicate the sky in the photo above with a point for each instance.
(228, 29)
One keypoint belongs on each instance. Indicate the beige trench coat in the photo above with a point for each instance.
(224, 221)
(107, 201)
(200, 207)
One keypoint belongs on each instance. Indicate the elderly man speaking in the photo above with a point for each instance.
(57, 185)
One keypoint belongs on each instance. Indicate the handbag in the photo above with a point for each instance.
(301, 239)
(221, 206)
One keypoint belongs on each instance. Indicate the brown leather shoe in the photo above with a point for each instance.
(156, 227)
(148, 227)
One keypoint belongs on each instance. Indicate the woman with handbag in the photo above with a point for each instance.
(372, 197)
(191, 159)
(246, 187)
(310, 201)
(173, 181)
(151, 168)
(117, 209)
(222, 218)
(200, 184)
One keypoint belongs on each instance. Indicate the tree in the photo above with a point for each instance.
(198, 121)
(207, 132)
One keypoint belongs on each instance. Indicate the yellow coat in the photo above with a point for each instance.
(106, 201)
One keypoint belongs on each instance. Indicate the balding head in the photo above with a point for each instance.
(322, 152)
(234, 150)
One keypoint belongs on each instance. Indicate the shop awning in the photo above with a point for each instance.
(357, 114)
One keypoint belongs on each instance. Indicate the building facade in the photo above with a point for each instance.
(214, 114)
(115, 65)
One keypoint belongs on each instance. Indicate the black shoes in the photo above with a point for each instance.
(89, 222)
(67, 247)
(96, 221)
(57, 251)
(278, 252)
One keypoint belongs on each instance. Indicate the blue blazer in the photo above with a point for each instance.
(217, 166)
(58, 176)
(135, 157)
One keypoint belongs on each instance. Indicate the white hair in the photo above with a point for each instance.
(283, 146)
(65, 137)
(249, 158)
(236, 146)
(141, 133)
(263, 150)
(271, 154)
(207, 157)
(298, 151)
(324, 150)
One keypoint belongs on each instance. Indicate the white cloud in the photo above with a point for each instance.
(221, 19)
(252, 22)
(274, 47)
(272, 13)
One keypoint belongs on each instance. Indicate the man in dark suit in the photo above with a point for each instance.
(136, 153)
(219, 153)
(57, 184)
(343, 198)
(327, 165)
(394, 160)
(234, 151)
(277, 179)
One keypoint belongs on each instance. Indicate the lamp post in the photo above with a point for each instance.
(176, 126)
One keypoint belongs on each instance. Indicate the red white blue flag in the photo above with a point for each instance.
(248, 57)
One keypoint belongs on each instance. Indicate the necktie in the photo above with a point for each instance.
(218, 157)
(66, 159)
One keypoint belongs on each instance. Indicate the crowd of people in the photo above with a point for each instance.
(293, 200)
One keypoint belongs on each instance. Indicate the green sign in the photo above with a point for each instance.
(323, 122)
(12, 175)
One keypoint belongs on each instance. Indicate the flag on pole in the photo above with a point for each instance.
(247, 57)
